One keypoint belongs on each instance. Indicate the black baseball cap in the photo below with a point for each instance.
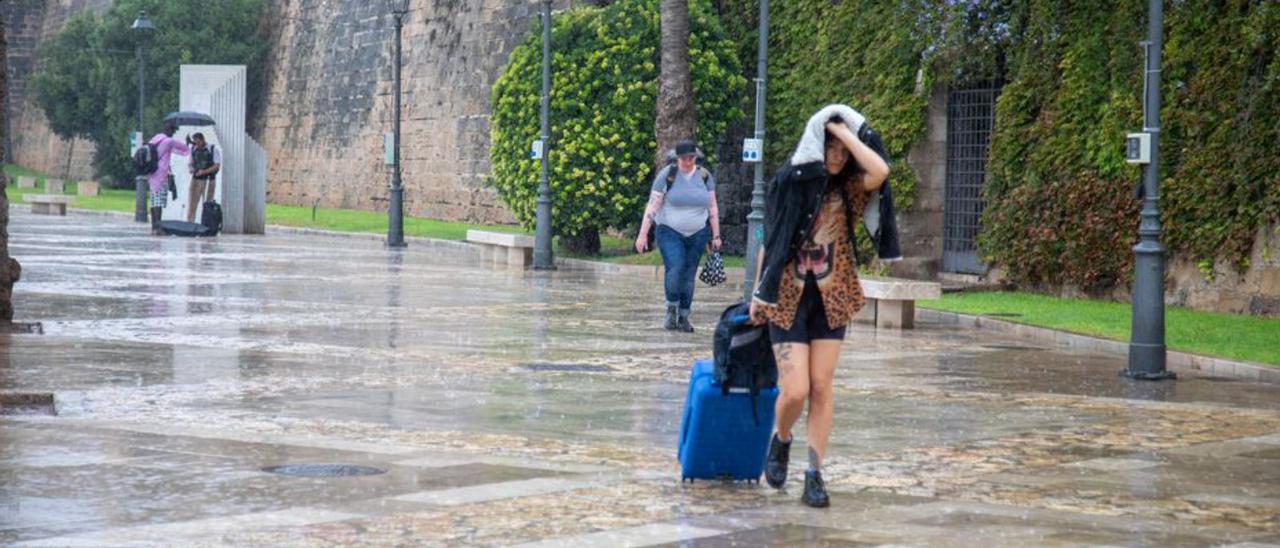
(686, 147)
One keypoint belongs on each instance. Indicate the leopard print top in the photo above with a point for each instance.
(828, 256)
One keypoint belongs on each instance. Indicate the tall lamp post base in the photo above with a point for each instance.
(140, 188)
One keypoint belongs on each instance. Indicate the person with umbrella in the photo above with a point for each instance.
(158, 181)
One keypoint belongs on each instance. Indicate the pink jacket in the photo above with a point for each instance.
(165, 145)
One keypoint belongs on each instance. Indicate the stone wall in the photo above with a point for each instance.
(920, 229)
(1256, 290)
(30, 141)
(329, 100)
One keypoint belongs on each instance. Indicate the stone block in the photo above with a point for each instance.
(1270, 282)
(87, 188)
(55, 186)
(500, 239)
(899, 289)
(26, 182)
(47, 204)
(895, 314)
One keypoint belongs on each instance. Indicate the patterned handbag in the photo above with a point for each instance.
(713, 270)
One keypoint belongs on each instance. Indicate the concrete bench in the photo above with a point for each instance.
(55, 186)
(893, 300)
(47, 204)
(513, 250)
(87, 188)
(26, 182)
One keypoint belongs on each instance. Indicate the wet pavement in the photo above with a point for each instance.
(509, 407)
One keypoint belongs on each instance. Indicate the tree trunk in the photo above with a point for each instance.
(9, 268)
(587, 242)
(676, 117)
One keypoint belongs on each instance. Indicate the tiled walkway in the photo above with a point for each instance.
(508, 407)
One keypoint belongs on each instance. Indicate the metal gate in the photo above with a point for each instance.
(970, 120)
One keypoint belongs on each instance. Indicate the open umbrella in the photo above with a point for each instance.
(187, 118)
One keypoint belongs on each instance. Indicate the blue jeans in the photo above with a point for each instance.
(681, 255)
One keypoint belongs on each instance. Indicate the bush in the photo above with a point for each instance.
(604, 87)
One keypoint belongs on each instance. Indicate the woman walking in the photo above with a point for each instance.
(682, 205)
(807, 285)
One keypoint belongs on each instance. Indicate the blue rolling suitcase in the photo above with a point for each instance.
(720, 436)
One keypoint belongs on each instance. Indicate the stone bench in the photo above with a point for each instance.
(513, 250)
(26, 182)
(47, 204)
(55, 186)
(893, 300)
(88, 188)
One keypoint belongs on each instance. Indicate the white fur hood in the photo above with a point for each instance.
(812, 143)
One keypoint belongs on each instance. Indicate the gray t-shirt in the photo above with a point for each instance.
(686, 207)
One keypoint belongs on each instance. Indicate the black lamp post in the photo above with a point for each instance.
(1146, 343)
(143, 29)
(395, 223)
(543, 258)
(755, 219)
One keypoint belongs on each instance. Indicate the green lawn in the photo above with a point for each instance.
(1229, 336)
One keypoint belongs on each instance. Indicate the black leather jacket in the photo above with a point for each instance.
(794, 199)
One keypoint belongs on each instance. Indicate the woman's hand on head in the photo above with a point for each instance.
(839, 129)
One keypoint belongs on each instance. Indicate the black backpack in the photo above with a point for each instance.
(146, 160)
(743, 355)
(211, 218)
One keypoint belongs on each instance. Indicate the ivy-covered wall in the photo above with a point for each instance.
(1060, 205)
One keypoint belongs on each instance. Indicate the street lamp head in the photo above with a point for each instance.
(142, 23)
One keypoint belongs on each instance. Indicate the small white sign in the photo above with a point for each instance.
(752, 150)
(535, 151)
(1137, 148)
(135, 140)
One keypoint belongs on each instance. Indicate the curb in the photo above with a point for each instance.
(1180, 362)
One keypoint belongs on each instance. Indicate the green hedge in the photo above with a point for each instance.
(605, 70)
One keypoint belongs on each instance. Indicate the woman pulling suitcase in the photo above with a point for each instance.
(807, 287)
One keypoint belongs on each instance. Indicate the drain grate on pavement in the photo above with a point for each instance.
(18, 403)
(20, 328)
(1014, 347)
(323, 470)
(568, 367)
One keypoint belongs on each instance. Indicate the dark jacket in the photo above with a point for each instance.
(794, 199)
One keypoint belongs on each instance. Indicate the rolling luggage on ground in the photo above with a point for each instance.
(184, 229)
(724, 435)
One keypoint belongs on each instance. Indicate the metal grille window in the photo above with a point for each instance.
(970, 120)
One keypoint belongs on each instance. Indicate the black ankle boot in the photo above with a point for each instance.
(671, 323)
(155, 219)
(683, 322)
(815, 490)
(775, 464)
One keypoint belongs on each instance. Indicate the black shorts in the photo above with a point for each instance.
(811, 320)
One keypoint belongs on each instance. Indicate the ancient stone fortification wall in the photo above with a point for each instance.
(328, 102)
(30, 24)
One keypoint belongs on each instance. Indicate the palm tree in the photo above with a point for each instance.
(676, 117)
